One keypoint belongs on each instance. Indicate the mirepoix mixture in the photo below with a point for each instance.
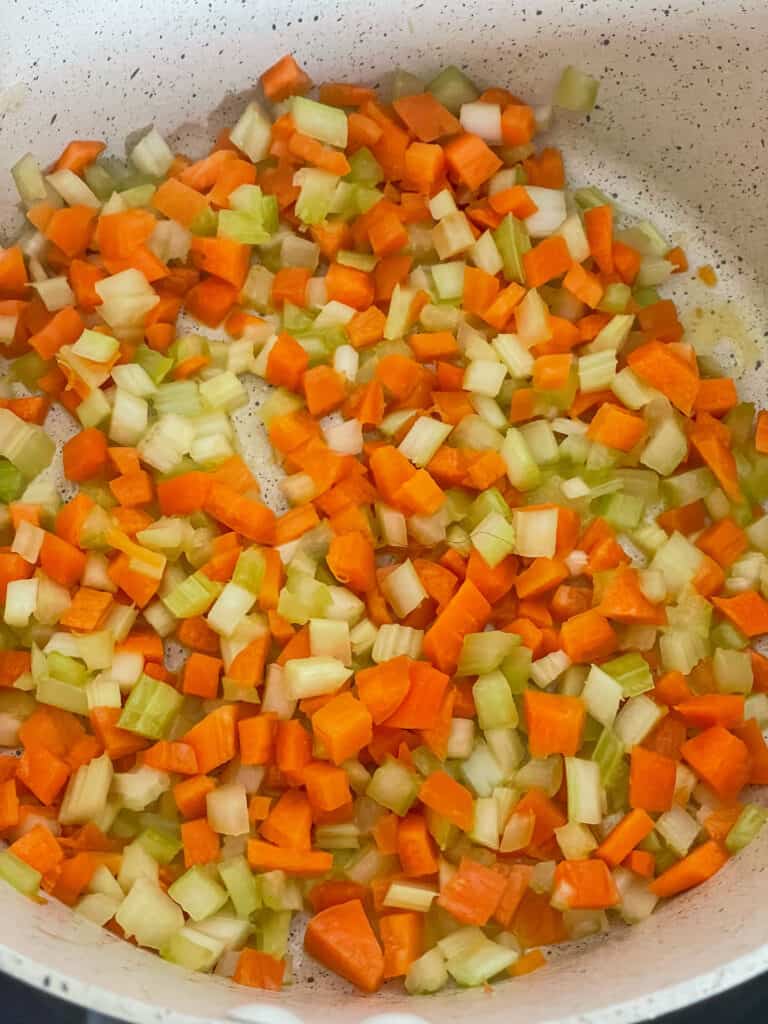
(485, 681)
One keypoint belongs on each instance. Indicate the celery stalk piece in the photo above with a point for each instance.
(86, 794)
(405, 895)
(98, 907)
(193, 596)
(484, 652)
(319, 121)
(576, 91)
(452, 88)
(516, 667)
(482, 771)
(632, 673)
(512, 241)
(480, 963)
(403, 589)
(140, 787)
(732, 671)
(29, 180)
(522, 470)
(193, 950)
(495, 704)
(536, 532)
(198, 894)
(252, 133)
(272, 928)
(393, 639)
(151, 708)
(666, 448)
(602, 696)
(748, 825)
(19, 874)
(678, 829)
(149, 915)
(636, 719)
(423, 439)
(494, 537)
(161, 845)
(314, 677)
(585, 791)
(608, 755)
(452, 235)
(393, 786)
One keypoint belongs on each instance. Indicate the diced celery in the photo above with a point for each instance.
(150, 708)
(453, 89)
(495, 704)
(679, 560)
(160, 844)
(482, 771)
(516, 667)
(512, 241)
(494, 538)
(597, 371)
(198, 893)
(585, 791)
(546, 670)
(279, 892)
(149, 915)
(522, 470)
(636, 719)
(608, 755)
(139, 787)
(393, 786)
(19, 874)
(536, 532)
(320, 121)
(11, 482)
(678, 829)
(631, 672)
(98, 907)
(393, 639)
(666, 448)
(576, 91)
(681, 650)
(726, 635)
(630, 390)
(575, 840)
(452, 236)
(403, 589)
(252, 132)
(485, 828)
(87, 790)
(732, 671)
(483, 652)
(615, 298)
(602, 695)
(314, 677)
(685, 488)
(405, 895)
(622, 511)
(191, 949)
(272, 929)
(748, 825)
(193, 596)
(481, 962)
(242, 886)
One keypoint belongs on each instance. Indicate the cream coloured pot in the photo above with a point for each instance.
(678, 135)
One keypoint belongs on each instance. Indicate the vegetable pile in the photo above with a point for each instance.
(489, 681)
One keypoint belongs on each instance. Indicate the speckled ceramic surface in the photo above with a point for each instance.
(679, 135)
